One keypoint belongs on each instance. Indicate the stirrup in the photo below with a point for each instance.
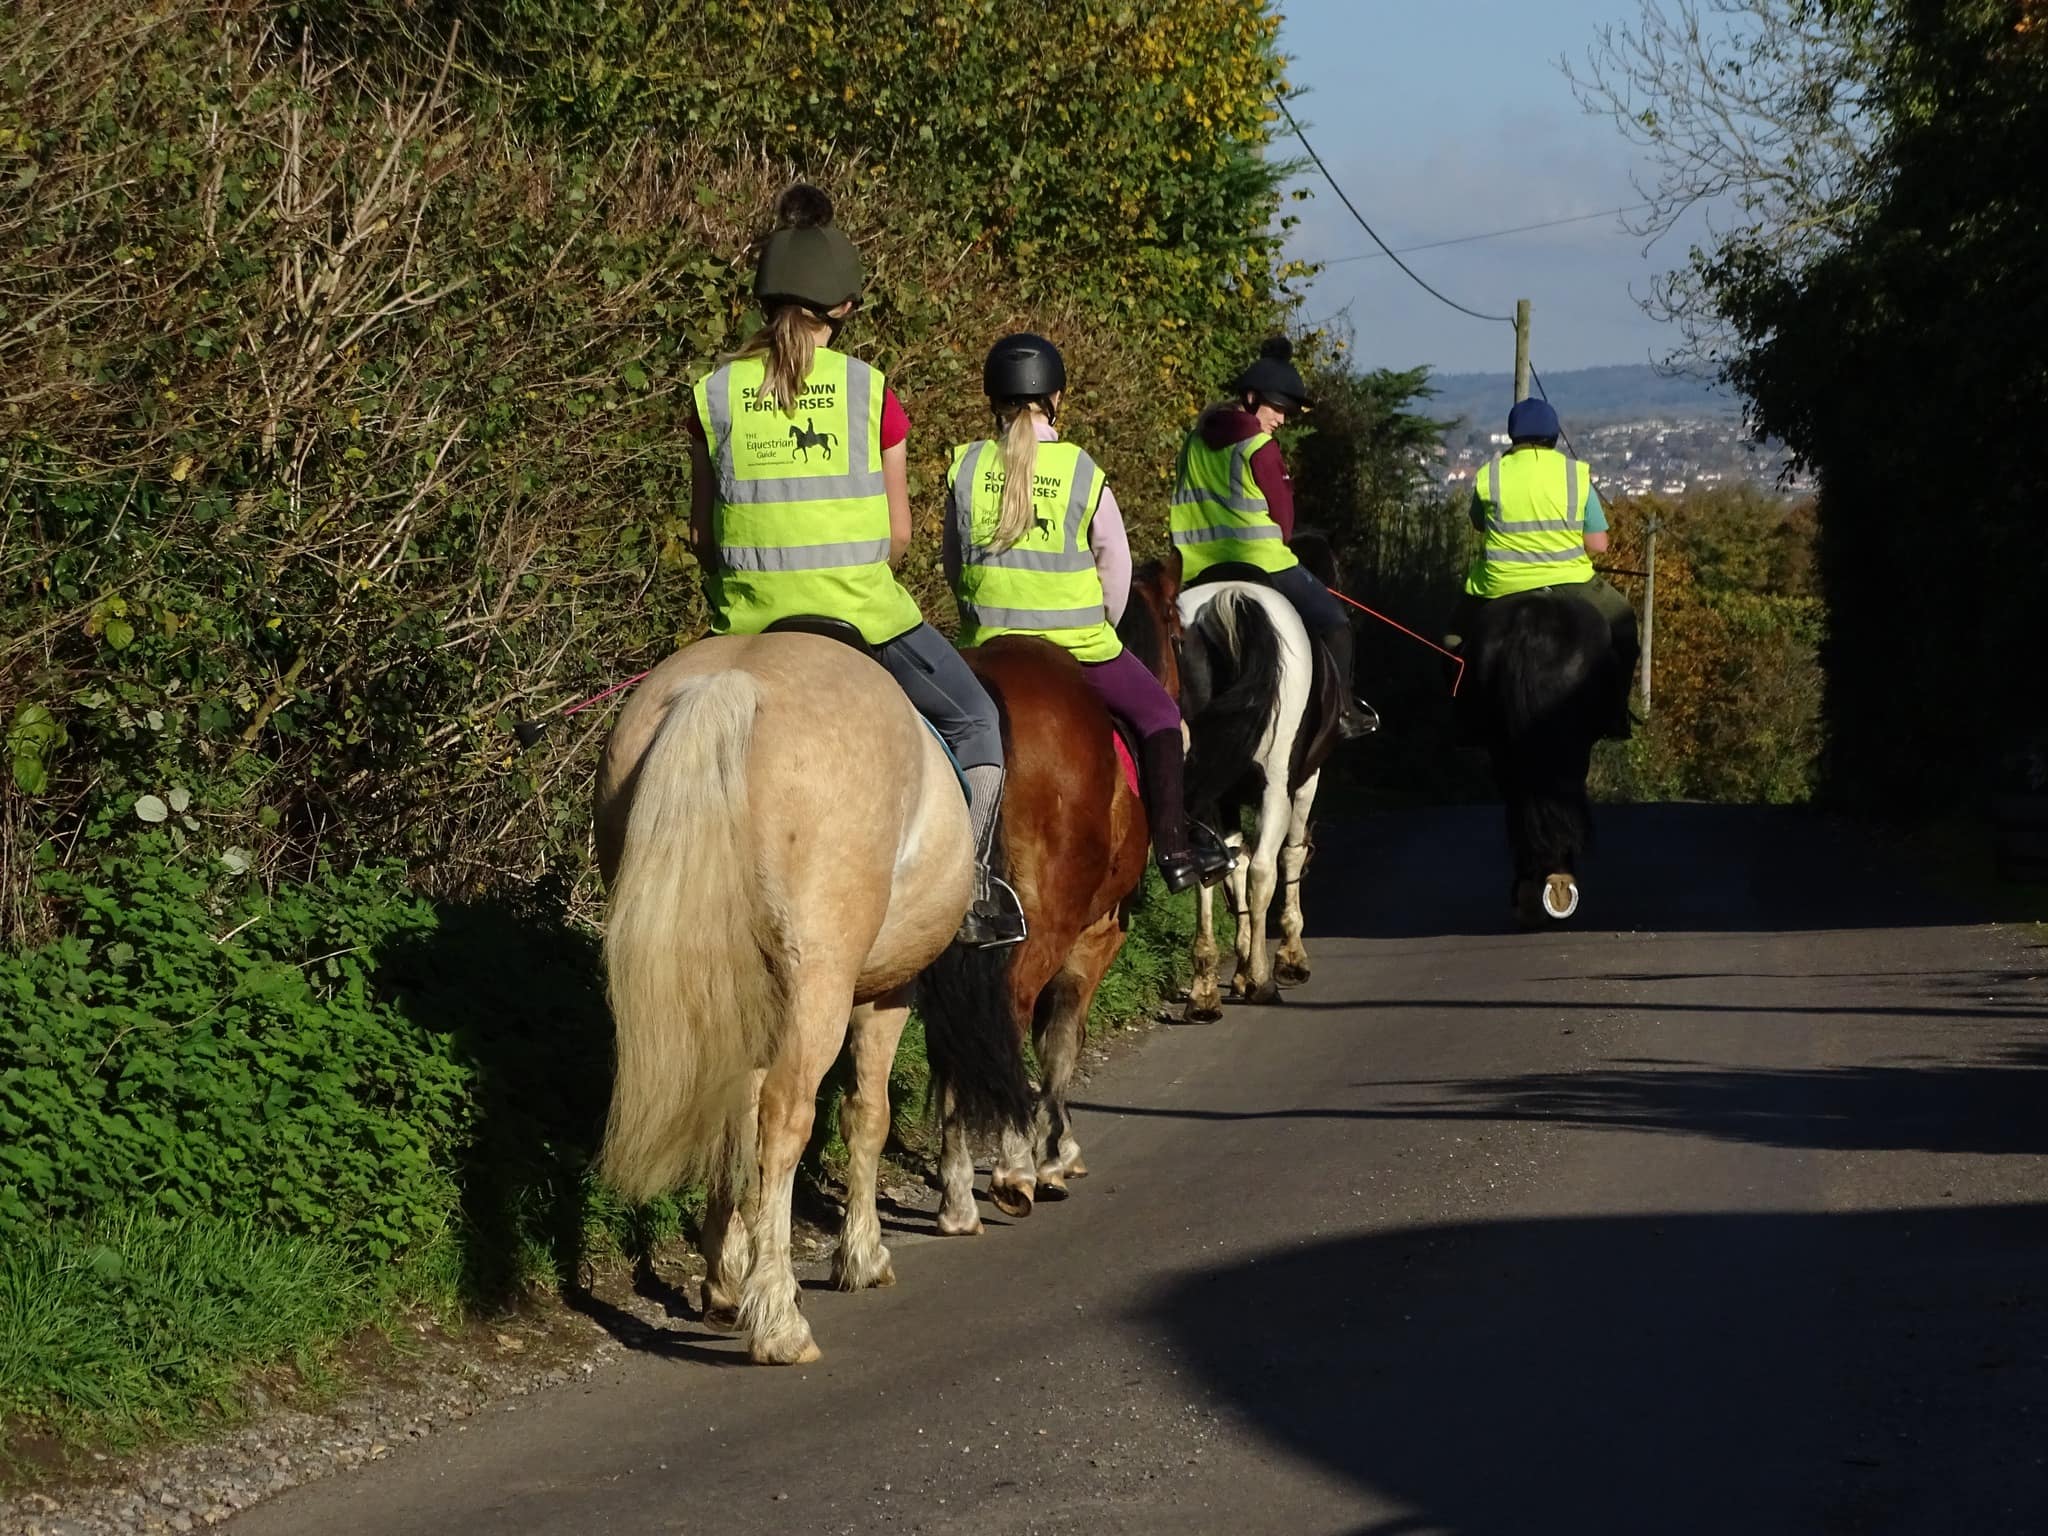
(1358, 719)
(996, 917)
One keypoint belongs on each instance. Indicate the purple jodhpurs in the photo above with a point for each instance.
(1129, 691)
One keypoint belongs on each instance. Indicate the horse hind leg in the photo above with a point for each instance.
(957, 1215)
(1291, 967)
(769, 1315)
(861, 1261)
(1205, 998)
(1253, 982)
(728, 1215)
(1063, 1015)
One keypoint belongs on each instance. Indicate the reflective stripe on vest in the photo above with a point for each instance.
(1533, 539)
(1045, 583)
(799, 514)
(1219, 513)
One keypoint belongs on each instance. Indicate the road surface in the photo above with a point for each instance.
(1726, 1212)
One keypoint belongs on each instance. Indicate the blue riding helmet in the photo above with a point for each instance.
(1533, 418)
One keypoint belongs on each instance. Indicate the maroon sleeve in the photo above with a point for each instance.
(1270, 470)
(895, 420)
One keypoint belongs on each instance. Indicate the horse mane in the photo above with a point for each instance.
(1143, 627)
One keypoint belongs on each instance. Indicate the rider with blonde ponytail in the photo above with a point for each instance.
(1034, 544)
(800, 508)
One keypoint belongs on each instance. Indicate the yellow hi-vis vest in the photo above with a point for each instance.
(798, 512)
(1535, 500)
(1219, 513)
(1045, 583)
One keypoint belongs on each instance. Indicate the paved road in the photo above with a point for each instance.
(1730, 1215)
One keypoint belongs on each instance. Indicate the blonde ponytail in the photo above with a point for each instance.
(790, 343)
(1020, 462)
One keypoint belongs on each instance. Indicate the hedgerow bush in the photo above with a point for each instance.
(339, 1058)
(346, 347)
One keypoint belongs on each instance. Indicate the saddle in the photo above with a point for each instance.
(829, 629)
(1318, 736)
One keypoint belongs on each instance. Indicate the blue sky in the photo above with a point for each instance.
(1444, 118)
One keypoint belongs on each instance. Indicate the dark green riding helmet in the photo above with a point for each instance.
(807, 260)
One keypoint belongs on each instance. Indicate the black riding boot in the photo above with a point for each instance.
(1358, 717)
(1160, 768)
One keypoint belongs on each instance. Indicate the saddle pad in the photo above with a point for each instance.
(1126, 762)
(959, 773)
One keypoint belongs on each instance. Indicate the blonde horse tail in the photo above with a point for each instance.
(696, 950)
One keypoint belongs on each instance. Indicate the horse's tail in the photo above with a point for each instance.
(1229, 728)
(696, 948)
(975, 1047)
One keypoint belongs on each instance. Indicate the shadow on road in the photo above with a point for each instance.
(1690, 868)
(1881, 1372)
(1998, 1105)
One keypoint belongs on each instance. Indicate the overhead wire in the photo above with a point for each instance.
(1395, 256)
(1491, 234)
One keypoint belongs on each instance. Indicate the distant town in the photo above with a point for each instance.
(1659, 455)
(1644, 433)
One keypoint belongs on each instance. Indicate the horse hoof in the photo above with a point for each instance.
(722, 1319)
(1076, 1169)
(873, 1276)
(952, 1226)
(801, 1349)
(1264, 996)
(1560, 897)
(1288, 974)
(1201, 1013)
(1012, 1200)
(1052, 1185)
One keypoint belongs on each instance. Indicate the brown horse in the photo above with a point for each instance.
(768, 907)
(1074, 839)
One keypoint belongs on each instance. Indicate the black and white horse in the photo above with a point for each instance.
(1248, 689)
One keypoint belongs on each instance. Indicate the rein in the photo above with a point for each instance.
(1456, 683)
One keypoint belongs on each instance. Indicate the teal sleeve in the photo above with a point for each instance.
(1596, 515)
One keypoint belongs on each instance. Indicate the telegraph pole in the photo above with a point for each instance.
(1521, 350)
(1649, 606)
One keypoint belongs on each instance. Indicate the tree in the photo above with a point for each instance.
(1760, 119)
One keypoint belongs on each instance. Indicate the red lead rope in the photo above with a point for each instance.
(1456, 683)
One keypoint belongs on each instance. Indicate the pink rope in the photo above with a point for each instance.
(1456, 683)
(599, 698)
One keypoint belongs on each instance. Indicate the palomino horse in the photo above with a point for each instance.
(1542, 687)
(1074, 840)
(766, 907)
(1249, 688)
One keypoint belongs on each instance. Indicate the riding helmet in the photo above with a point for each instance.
(1273, 377)
(807, 260)
(1023, 367)
(1533, 420)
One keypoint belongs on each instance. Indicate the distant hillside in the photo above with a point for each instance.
(1584, 396)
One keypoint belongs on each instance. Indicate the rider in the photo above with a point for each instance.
(805, 515)
(1034, 544)
(1543, 523)
(1233, 503)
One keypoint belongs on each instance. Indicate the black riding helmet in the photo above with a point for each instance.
(1273, 378)
(807, 260)
(1023, 367)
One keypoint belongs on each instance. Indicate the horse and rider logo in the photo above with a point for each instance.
(808, 437)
